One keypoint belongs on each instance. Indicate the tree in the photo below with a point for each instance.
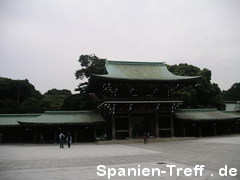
(55, 98)
(33, 105)
(184, 69)
(205, 94)
(13, 93)
(8, 106)
(232, 94)
(17, 90)
(57, 92)
(90, 64)
(20, 96)
(80, 102)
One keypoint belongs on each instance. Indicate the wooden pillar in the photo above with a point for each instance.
(129, 125)
(215, 129)
(157, 124)
(237, 127)
(113, 127)
(20, 135)
(95, 132)
(75, 134)
(199, 130)
(184, 129)
(229, 127)
(172, 124)
(34, 135)
(55, 135)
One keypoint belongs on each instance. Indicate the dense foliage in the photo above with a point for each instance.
(17, 90)
(55, 98)
(232, 94)
(80, 102)
(20, 96)
(205, 94)
(90, 64)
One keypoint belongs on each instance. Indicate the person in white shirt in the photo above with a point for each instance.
(61, 139)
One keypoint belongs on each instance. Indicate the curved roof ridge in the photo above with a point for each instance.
(134, 62)
(130, 70)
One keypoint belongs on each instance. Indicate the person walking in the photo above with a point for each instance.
(61, 139)
(69, 140)
(145, 137)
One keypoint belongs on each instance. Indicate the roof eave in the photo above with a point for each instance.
(194, 78)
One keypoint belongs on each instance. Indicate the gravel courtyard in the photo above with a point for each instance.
(81, 161)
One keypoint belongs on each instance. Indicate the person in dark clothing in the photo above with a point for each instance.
(61, 139)
(69, 140)
(145, 137)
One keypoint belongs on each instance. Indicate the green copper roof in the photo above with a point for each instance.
(12, 119)
(204, 114)
(141, 71)
(52, 117)
(65, 117)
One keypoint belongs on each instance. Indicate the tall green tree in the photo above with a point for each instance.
(55, 98)
(205, 94)
(90, 64)
(8, 106)
(20, 96)
(33, 105)
(14, 92)
(57, 92)
(80, 102)
(17, 90)
(232, 94)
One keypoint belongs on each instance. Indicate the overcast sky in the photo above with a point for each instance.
(41, 40)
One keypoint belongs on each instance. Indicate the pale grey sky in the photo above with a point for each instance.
(41, 40)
